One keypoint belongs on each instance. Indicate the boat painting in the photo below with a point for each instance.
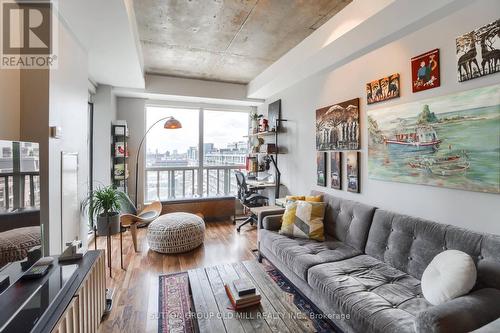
(416, 138)
(451, 141)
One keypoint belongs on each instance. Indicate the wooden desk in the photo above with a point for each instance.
(258, 210)
(260, 184)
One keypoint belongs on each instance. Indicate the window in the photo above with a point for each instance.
(176, 167)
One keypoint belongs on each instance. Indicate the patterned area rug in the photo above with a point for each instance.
(175, 302)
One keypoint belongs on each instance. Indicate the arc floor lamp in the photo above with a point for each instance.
(170, 123)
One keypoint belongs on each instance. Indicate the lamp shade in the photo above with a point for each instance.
(172, 123)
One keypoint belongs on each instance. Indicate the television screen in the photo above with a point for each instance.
(19, 204)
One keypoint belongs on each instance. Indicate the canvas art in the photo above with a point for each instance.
(321, 168)
(425, 71)
(383, 89)
(337, 126)
(478, 52)
(450, 141)
(336, 170)
(352, 171)
(273, 113)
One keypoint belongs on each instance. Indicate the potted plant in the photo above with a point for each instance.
(105, 204)
(254, 118)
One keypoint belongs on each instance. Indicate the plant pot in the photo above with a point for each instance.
(103, 229)
(254, 126)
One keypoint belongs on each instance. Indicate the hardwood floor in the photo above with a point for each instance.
(135, 302)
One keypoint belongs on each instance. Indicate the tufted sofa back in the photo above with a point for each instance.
(409, 244)
(346, 220)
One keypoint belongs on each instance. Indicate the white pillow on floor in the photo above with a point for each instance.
(449, 275)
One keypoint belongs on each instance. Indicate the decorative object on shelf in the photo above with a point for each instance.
(352, 171)
(264, 125)
(337, 126)
(268, 148)
(120, 150)
(476, 52)
(336, 170)
(170, 123)
(254, 122)
(425, 71)
(383, 89)
(273, 114)
(73, 251)
(321, 168)
(451, 141)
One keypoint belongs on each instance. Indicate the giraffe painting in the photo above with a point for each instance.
(478, 52)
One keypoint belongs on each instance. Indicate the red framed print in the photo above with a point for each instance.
(425, 71)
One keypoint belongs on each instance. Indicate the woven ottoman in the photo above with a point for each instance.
(176, 233)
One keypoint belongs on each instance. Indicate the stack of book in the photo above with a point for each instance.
(242, 294)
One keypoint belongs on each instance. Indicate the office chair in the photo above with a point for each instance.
(249, 198)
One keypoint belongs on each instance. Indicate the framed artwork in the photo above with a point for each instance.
(273, 113)
(352, 171)
(450, 141)
(425, 71)
(477, 52)
(321, 168)
(337, 126)
(336, 170)
(383, 89)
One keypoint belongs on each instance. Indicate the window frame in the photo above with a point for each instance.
(200, 168)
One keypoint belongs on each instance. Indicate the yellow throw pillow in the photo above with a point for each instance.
(314, 198)
(295, 197)
(304, 220)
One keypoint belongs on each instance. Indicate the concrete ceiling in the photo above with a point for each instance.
(225, 40)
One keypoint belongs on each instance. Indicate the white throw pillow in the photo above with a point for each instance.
(450, 274)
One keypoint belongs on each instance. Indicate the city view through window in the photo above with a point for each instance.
(177, 168)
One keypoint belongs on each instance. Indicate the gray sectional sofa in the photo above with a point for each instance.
(370, 265)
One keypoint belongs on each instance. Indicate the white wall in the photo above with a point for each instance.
(58, 97)
(104, 116)
(9, 104)
(477, 211)
(68, 98)
(133, 110)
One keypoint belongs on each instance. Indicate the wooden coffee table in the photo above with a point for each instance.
(213, 311)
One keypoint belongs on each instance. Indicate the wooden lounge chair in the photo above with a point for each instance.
(148, 215)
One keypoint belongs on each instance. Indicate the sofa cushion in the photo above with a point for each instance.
(378, 297)
(347, 221)
(404, 242)
(304, 219)
(300, 254)
(409, 244)
(450, 274)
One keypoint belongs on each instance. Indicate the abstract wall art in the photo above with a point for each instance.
(337, 126)
(382, 89)
(478, 52)
(336, 170)
(425, 71)
(451, 141)
(352, 171)
(321, 168)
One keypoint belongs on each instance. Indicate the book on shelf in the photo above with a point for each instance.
(119, 172)
(241, 302)
(120, 150)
